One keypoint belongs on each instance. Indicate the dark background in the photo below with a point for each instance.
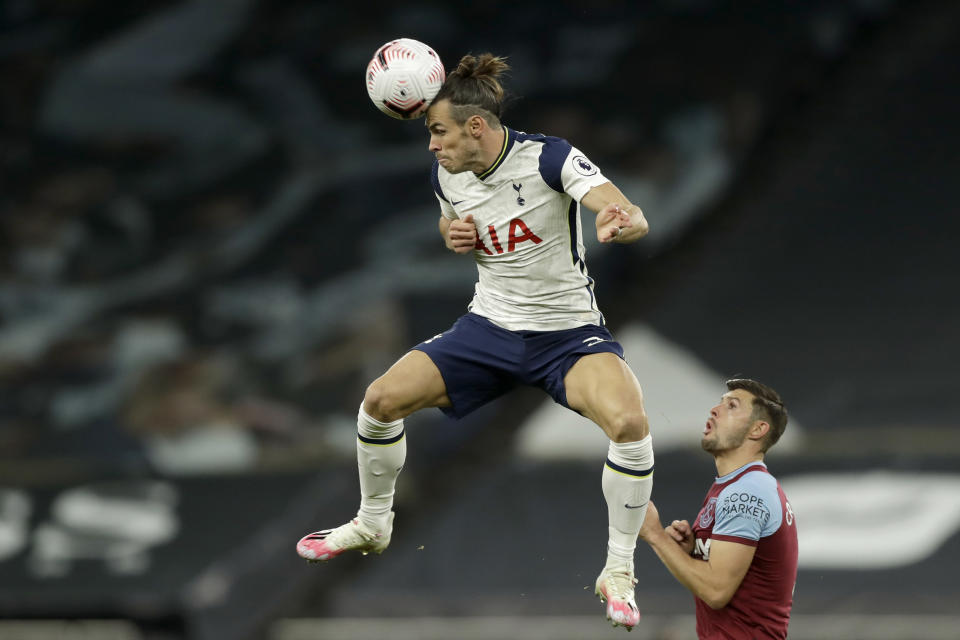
(211, 242)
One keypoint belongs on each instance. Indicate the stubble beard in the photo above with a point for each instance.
(731, 442)
(471, 157)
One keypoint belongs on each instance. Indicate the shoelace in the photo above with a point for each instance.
(620, 585)
(345, 532)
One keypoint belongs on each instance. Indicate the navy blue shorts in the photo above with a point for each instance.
(480, 361)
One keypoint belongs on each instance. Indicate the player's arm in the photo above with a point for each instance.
(715, 580)
(460, 236)
(618, 219)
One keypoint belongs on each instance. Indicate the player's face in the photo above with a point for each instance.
(729, 422)
(453, 146)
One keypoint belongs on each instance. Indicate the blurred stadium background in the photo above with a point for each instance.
(210, 243)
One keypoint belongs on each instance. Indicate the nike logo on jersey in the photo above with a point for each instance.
(635, 506)
(593, 341)
(456, 202)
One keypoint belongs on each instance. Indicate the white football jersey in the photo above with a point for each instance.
(529, 252)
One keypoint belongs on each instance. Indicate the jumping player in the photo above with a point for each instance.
(740, 556)
(512, 200)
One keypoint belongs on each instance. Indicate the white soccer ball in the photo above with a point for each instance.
(403, 77)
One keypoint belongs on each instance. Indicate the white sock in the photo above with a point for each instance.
(381, 451)
(627, 482)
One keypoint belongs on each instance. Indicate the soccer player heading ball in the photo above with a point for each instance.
(512, 201)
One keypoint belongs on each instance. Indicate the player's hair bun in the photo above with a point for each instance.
(486, 69)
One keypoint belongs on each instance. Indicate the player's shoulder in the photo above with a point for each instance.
(542, 145)
(548, 153)
(756, 481)
(524, 138)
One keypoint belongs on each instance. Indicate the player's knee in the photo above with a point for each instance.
(380, 404)
(628, 426)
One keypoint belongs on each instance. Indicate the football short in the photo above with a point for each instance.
(480, 361)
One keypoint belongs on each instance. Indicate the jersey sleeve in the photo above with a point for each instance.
(566, 169)
(446, 209)
(748, 509)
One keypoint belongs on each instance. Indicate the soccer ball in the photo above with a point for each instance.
(403, 77)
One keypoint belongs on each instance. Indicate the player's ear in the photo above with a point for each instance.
(759, 430)
(475, 125)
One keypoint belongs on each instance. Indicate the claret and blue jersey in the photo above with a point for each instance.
(748, 506)
(529, 252)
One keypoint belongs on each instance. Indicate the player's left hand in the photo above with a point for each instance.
(611, 220)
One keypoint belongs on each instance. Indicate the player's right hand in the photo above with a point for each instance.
(681, 532)
(462, 234)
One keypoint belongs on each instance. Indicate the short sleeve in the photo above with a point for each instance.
(579, 175)
(566, 169)
(446, 209)
(748, 509)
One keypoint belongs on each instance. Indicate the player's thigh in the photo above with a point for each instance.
(412, 383)
(603, 388)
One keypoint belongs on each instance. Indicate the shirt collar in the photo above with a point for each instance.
(732, 474)
(508, 139)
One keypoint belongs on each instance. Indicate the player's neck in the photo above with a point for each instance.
(733, 460)
(491, 146)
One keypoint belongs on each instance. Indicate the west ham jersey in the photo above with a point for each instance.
(529, 251)
(748, 506)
